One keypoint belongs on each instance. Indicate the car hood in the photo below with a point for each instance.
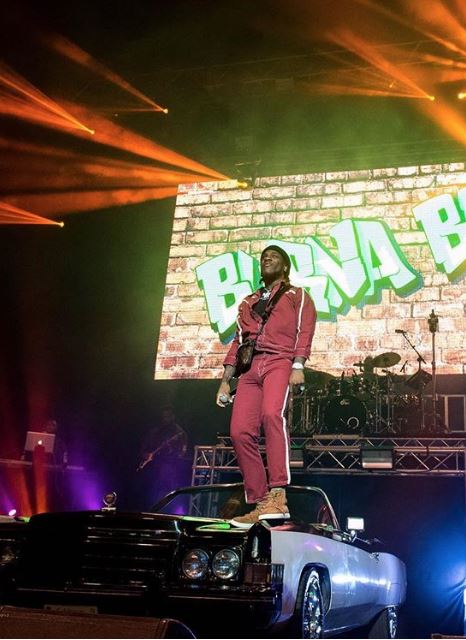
(170, 525)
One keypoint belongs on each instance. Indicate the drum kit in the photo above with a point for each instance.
(371, 401)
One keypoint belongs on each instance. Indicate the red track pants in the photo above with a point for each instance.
(261, 399)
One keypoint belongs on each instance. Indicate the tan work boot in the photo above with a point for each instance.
(275, 506)
(246, 521)
(272, 507)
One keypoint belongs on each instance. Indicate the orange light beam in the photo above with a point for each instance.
(445, 62)
(47, 171)
(46, 161)
(10, 214)
(71, 51)
(18, 108)
(451, 75)
(72, 202)
(441, 17)
(48, 175)
(460, 8)
(117, 110)
(409, 23)
(346, 81)
(447, 118)
(338, 89)
(352, 66)
(113, 135)
(369, 53)
(13, 80)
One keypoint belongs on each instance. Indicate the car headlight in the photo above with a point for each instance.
(225, 564)
(195, 564)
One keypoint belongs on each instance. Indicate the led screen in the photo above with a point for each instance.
(378, 250)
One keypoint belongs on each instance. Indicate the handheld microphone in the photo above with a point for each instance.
(400, 331)
(224, 399)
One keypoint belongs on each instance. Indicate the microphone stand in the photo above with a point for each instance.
(432, 321)
(421, 385)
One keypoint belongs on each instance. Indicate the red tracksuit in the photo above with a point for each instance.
(262, 391)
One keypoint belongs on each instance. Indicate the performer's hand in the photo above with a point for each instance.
(296, 377)
(223, 392)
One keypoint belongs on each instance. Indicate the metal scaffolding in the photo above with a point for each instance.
(341, 454)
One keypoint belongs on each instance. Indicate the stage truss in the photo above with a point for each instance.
(341, 454)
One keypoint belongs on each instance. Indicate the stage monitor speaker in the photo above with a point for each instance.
(16, 622)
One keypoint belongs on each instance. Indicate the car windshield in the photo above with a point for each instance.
(307, 504)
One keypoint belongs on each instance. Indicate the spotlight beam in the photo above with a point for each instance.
(408, 23)
(20, 85)
(77, 201)
(10, 214)
(71, 51)
(111, 134)
(368, 52)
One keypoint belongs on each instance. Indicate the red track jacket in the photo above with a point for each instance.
(288, 331)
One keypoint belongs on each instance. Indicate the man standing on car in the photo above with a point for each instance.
(281, 320)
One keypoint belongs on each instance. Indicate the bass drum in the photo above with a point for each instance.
(344, 414)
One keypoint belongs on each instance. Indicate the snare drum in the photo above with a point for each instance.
(344, 414)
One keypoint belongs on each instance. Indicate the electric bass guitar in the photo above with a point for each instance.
(150, 456)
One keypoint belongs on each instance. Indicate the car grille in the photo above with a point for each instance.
(96, 556)
(125, 557)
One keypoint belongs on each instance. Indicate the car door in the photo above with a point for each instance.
(362, 585)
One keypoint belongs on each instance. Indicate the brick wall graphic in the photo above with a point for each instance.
(377, 250)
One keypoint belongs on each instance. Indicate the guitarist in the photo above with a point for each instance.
(163, 455)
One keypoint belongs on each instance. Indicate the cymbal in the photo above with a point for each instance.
(388, 359)
(317, 378)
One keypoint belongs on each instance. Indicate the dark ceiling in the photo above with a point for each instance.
(233, 75)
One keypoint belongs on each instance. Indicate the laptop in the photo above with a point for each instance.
(36, 439)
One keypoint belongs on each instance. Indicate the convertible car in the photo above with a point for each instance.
(304, 577)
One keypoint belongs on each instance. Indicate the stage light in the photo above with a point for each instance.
(376, 457)
(461, 95)
(165, 110)
(432, 98)
(12, 513)
(354, 523)
(246, 173)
